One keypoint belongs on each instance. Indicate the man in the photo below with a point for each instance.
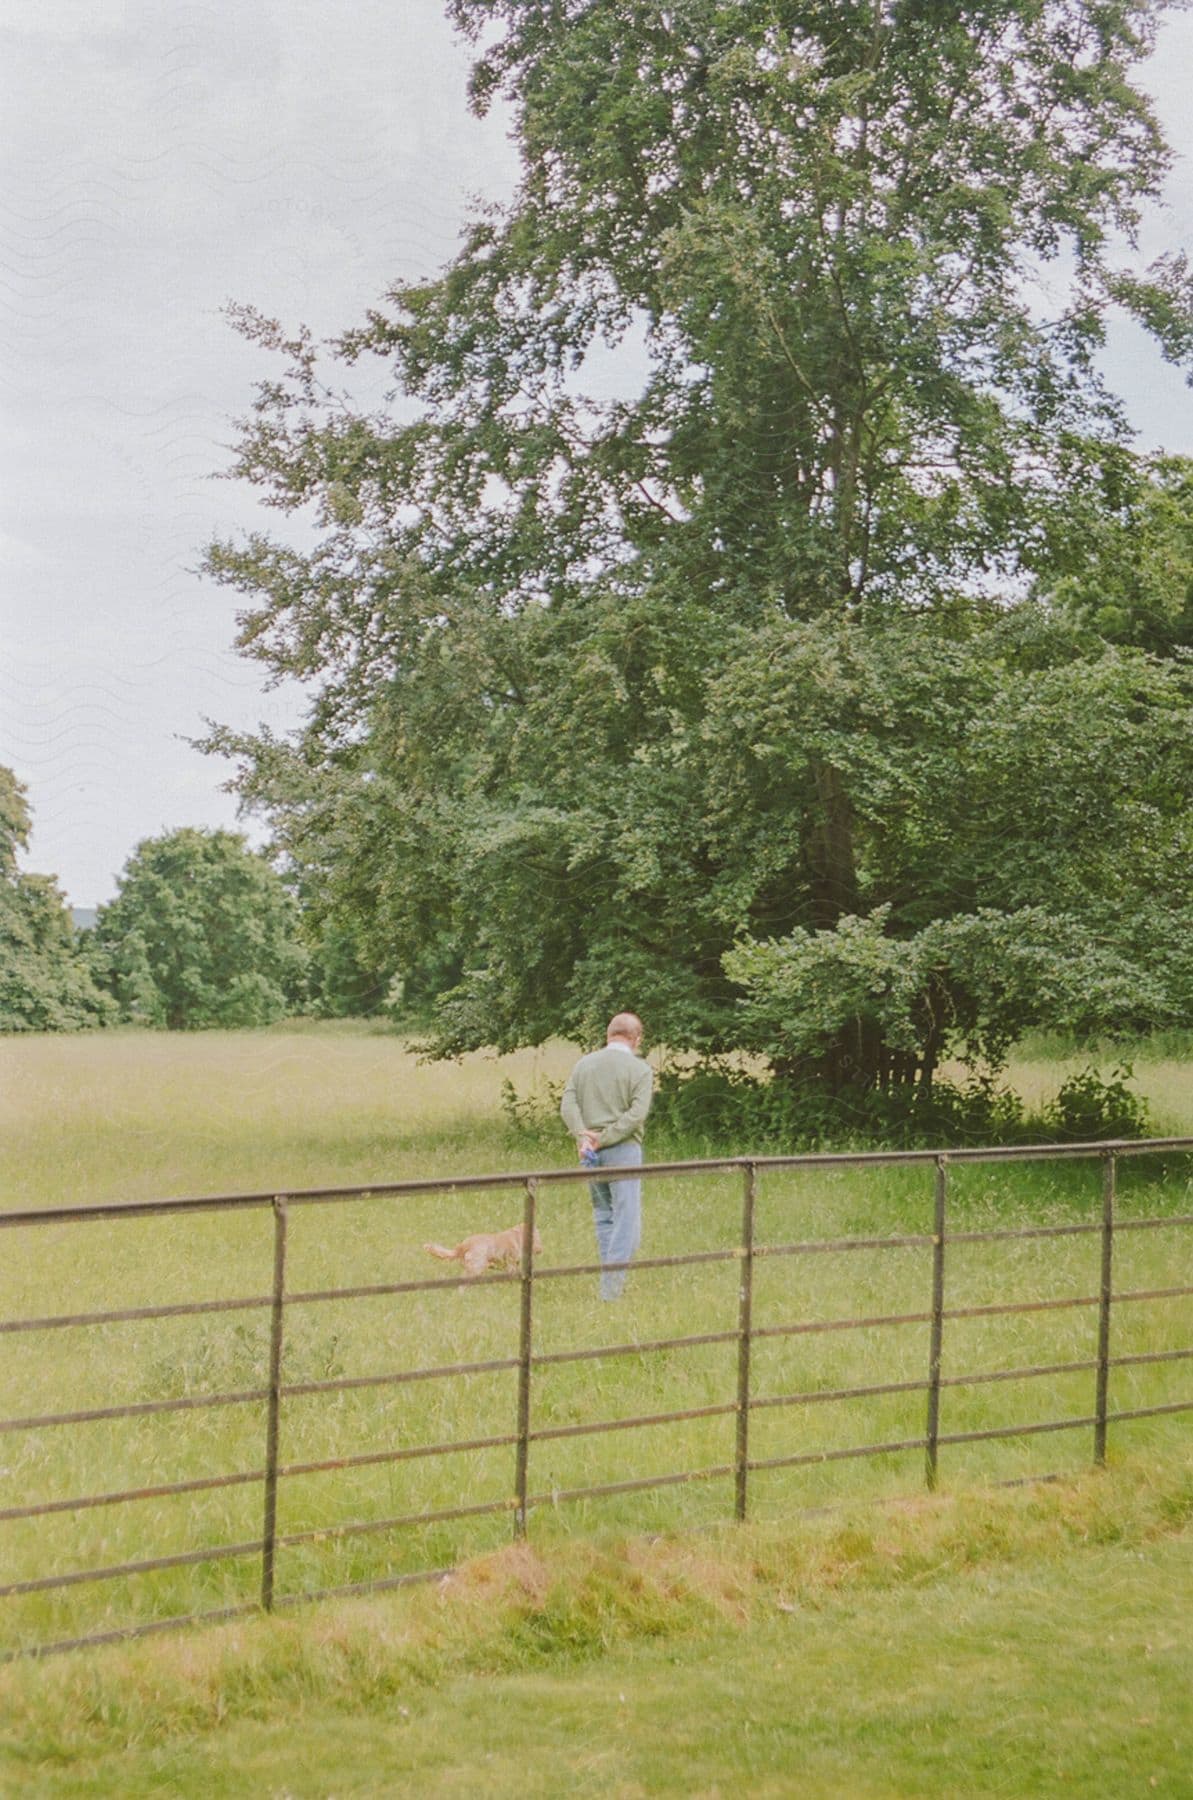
(604, 1106)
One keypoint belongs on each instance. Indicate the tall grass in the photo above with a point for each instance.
(1032, 1641)
(131, 1116)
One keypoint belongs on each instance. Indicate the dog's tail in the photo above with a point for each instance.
(443, 1254)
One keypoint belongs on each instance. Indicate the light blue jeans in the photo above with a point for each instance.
(617, 1214)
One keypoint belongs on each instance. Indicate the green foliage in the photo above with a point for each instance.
(1021, 830)
(669, 696)
(716, 1107)
(202, 933)
(341, 982)
(1123, 563)
(534, 1114)
(45, 984)
(721, 1108)
(1090, 1106)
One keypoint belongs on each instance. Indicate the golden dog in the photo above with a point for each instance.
(485, 1247)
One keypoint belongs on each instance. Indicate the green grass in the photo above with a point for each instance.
(138, 1116)
(1032, 1642)
(1024, 1641)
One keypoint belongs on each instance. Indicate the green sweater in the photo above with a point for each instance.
(608, 1092)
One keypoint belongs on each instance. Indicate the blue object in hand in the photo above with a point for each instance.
(588, 1157)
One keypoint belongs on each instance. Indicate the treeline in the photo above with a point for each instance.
(202, 933)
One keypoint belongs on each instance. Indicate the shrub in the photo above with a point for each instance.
(729, 1110)
(1087, 1107)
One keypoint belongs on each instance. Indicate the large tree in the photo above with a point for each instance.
(45, 983)
(201, 933)
(607, 684)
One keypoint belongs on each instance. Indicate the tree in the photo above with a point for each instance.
(1127, 569)
(1023, 836)
(45, 984)
(538, 619)
(202, 933)
(341, 983)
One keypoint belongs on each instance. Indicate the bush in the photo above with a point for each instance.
(534, 1115)
(1088, 1107)
(726, 1109)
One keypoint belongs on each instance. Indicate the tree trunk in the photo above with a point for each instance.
(856, 1057)
(830, 851)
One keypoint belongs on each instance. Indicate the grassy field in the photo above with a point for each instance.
(1025, 1643)
(127, 1116)
(140, 1116)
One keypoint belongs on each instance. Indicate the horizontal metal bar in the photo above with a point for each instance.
(909, 1241)
(1002, 1307)
(373, 1458)
(361, 1527)
(201, 1484)
(814, 1160)
(122, 1633)
(506, 1278)
(915, 1387)
(630, 1424)
(1151, 1356)
(344, 1383)
(1154, 1224)
(808, 1457)
(1171, 1293)
(559, 1496)
(379, 1586)
(135, 1209)
(144, 1567)
(439, 1185)
(183, 1310)
(809, 1327)
(814, 1396)
(1022, 1231)
(1004, 1431)
(188, 1309)
(381, 1289)
(884, 1500)
(1033, 1152)
(134, 1410)
(231, 1612)
(1021, 1374)
(642, 1262)
(543, 1359)
(1153, 1412)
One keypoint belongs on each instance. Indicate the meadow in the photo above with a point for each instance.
(138, 1116)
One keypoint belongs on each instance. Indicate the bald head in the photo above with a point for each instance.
(627, 1026)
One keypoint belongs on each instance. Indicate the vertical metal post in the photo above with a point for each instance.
(524, 1341)
(745, 1302)
(1104, 1297)
(275, 1401)
(934, 1349)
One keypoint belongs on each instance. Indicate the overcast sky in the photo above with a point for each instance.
(159, 161)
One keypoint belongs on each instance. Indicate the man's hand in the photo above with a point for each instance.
(587, 1141)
